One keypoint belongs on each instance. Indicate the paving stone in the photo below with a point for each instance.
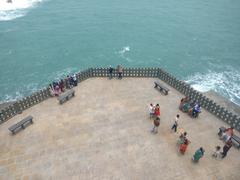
(104, 133)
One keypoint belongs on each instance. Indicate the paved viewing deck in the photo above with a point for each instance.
(104, 133)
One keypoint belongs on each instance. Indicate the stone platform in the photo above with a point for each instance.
(104, 133)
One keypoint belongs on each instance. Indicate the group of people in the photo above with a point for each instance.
(183, 142)
(154, 112)
(192, 108)
(119, 71)
(58, 87)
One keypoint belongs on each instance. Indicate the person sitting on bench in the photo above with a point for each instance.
(196, 110)
(183, 102)
(227, 134)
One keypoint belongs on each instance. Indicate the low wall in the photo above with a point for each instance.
(184, 88)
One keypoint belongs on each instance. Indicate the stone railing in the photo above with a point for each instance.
(181, 86)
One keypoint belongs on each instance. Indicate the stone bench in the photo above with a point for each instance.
(66, 96)
(21, 125)
(235, 139)
(161, 88)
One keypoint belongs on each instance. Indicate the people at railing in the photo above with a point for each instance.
(110, 72)
(120, 71)
(72, 81)
(74, 78)
(61, 85)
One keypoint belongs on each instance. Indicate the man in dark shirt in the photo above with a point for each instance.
(110, 71)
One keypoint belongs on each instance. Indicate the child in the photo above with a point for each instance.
(217, 153)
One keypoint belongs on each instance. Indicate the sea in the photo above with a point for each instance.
(44, 40)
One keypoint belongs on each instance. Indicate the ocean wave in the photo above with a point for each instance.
(123, 52)
(16, 9)
(226, 83)
(25, 90)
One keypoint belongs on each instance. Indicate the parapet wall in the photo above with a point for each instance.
(184, 88)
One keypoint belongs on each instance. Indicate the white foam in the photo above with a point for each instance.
(16, 9)
(122, 53)
(124, 50)
(227, 83)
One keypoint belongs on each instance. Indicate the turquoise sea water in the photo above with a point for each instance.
(43, 40)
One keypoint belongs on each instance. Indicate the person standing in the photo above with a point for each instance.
(183, 147)
(110, 71)
(198, 154)
(156, 123)
(120, 71)
(182, 138)
(226, 148)
(175, 125)
(61, 85)
(157, 111)
(227, 134)
(151, 111)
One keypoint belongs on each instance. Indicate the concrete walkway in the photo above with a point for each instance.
(104, 133)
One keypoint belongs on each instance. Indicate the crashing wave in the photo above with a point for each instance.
(16, 9)
(226, 83)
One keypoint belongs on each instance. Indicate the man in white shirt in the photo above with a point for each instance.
(151, 110)
(175, 125)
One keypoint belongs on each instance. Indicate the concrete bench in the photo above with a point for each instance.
(21, 125)
(161, 88)
(66, 96)
(235, 139)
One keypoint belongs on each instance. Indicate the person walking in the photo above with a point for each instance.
(175, 125)
(198, 154)
(110, 71)
(156, 123)
(226, 148)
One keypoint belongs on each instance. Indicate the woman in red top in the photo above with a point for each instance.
(183, 147)
(157, 111)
